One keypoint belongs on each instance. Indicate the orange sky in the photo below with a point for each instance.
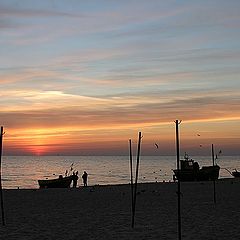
(110, 140)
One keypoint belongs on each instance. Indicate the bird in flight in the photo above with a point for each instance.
(156, 145)
(198, 135)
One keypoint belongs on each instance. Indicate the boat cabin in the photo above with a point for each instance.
(190, 171)
(188, 164)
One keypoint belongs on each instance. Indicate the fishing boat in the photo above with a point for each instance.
(190, 171)
(60, 182)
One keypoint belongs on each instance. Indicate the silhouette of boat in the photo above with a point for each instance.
(236, 173)
(61, 182)
(190, 171)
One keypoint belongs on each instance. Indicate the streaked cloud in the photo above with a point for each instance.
(74, 73)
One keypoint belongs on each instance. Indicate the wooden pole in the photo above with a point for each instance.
(136, 179)
(131, 172)
(179, 182)
(214, 183)
(1, 191)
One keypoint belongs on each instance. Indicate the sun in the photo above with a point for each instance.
(39, 151)
(37, 141)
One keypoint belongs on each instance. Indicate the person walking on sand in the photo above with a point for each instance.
(84, 177)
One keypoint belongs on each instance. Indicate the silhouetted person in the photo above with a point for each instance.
(75, 179)
(84, 177)
(196, 166)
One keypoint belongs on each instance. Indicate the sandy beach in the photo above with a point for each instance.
(104, 212)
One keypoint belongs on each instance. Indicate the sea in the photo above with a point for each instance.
(22, 172)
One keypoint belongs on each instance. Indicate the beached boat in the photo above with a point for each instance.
(190, 171)
(61, 182)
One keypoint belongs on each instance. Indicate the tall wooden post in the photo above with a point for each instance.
(1, 191)
(131, 172)
(214, 184)
(179, 182)
(136, 179)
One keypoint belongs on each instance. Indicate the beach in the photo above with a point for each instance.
(104, 212)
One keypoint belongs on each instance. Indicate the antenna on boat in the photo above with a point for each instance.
(178, 122)
(217, 156)
(1, 191)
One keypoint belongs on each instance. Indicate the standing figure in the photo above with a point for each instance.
(75, 179)
(84, 177)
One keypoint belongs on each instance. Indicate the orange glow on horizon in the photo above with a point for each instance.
(42, 141)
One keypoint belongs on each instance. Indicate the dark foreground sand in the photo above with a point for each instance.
(104, 212)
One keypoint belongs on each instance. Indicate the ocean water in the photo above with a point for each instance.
(24, 171)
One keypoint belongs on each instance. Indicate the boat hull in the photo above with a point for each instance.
(236, 174)
(208, 173)
(64, 182)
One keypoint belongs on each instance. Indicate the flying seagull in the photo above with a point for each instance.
(198, 135)
(156, 145)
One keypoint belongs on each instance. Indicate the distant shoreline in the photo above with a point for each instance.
(220, 180)
(153, 155)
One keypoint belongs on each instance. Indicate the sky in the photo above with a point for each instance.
(84, 77)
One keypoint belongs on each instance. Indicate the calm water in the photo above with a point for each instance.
(24, 171)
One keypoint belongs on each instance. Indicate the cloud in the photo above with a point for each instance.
(78, 128)
(54, 108)
(74, 21)
(115, 67)
(26, 12)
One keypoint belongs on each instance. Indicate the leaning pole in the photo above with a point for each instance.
(177, 122)
(136, 178)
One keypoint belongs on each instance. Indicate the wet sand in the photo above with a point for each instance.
(104, 212)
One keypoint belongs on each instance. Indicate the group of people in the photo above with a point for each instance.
(75, 179)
